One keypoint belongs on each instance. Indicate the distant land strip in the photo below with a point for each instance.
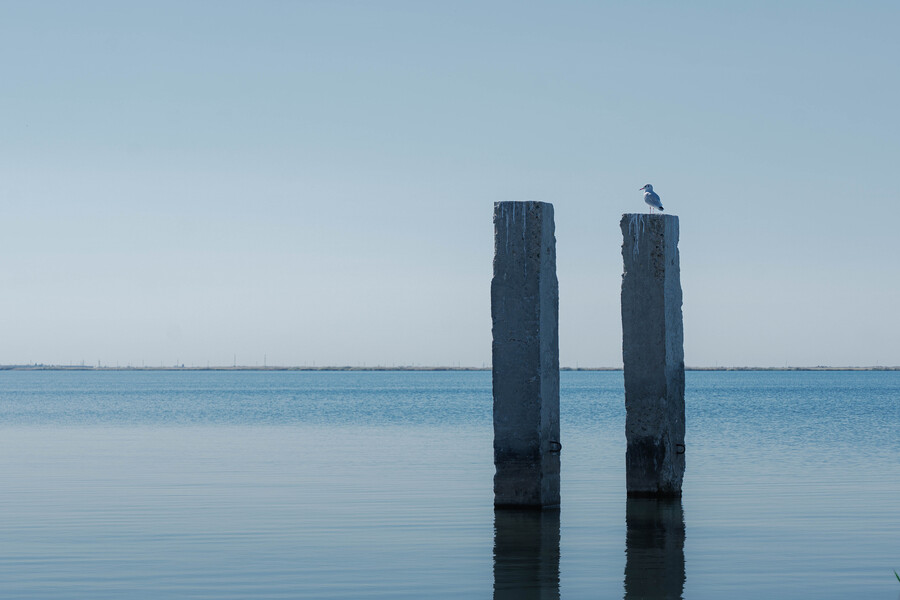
(42, 367)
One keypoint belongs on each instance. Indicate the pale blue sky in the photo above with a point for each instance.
(314, 181)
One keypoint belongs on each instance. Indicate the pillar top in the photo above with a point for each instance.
(654, 216)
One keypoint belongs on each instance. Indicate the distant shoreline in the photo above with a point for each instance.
(404, 368)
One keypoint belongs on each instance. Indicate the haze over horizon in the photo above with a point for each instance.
(314, 181)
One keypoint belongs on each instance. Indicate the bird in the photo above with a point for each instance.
(652, 198)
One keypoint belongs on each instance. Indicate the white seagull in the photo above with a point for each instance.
(652, 198)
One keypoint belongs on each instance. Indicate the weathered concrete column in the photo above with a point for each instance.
(525, 312)
(653, 353)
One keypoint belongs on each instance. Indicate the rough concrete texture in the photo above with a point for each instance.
(654, 548)
(525, 312)
(653, 353)
(526, 554)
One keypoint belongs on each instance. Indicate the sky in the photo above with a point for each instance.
(312, 182)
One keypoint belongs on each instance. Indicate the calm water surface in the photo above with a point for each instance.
(379, 485)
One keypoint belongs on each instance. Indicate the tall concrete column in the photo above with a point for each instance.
(653, 353)
(525, 312)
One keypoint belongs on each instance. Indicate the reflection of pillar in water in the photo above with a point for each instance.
(654, 549)
(526, 554)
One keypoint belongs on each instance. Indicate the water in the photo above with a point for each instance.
(378, 485)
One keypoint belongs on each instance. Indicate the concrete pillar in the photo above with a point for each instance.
(654, 548)
(525, 312)
(653, 353)
(526, 554)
